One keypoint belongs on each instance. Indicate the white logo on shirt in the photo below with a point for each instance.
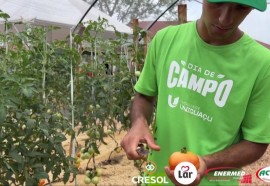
(180, 77)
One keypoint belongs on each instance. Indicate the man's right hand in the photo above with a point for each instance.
(138, 134)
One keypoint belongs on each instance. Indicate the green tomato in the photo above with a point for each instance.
(97, 134)
(82, 150)
(58, 115)
(99, 172)
(78, 160)
(86, 156)
(33, 116)
(91, 107)
(137, 73)
(91, 151)
(95, 180)
(89, 133)
(126, 114)
(88, 173)
(87, 180)
(109, 132)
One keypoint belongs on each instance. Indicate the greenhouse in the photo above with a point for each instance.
(75, 72)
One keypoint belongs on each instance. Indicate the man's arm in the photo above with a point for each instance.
(141, 109)
(238, 155)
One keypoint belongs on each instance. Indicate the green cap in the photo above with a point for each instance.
(257, 4)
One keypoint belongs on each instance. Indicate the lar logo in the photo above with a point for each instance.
(149, 167)
(264, 174)
(185, 173)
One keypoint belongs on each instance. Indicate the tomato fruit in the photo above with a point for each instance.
(137, 73)
(86, 156)
(95, 180)
(183, 156)
(91, 151)
(77, 165)
(41, 182)
(118, 149)
(87, 180)
(99, 172)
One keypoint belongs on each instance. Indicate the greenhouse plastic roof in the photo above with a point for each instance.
(64, 13)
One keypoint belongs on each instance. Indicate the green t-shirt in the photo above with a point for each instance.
(209, 97)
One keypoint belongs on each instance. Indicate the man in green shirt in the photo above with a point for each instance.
(211, 86)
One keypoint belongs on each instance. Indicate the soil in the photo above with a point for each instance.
(119, 170)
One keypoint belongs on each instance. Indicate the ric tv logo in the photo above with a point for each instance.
(264, 174)
(185, 173)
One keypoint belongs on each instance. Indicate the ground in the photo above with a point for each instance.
(121, 170)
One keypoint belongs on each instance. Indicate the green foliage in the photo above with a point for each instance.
(32, 117)
(103, 84)
(36, 105)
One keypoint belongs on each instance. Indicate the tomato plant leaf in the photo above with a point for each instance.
(56, 172)
(30, 123)
(41, 175)
(2, 114)
(9, 166)
(30, 181)
(15, 155)
(33, 154)
(59, 138)
(18, 115)
(95, 147)
(38, 165)
(4, 15)
(58, 148)
(66, 177)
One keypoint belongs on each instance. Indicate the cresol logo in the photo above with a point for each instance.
(264, 174)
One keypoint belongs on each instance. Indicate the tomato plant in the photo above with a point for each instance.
(33, 113)
(36, 108)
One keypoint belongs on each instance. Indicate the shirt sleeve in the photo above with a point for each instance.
(147, 82)
(256, 123)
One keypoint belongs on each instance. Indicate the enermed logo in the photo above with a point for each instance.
(264, 174)
(149, 168)
(225, 174)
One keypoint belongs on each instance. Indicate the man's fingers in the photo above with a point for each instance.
(152, 144)
(170, 174)
(131, 150)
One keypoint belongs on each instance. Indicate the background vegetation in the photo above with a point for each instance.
(50, 90)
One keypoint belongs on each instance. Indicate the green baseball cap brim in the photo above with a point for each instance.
(257, 4)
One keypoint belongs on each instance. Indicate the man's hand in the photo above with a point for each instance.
(138, 134)
(141, 111)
